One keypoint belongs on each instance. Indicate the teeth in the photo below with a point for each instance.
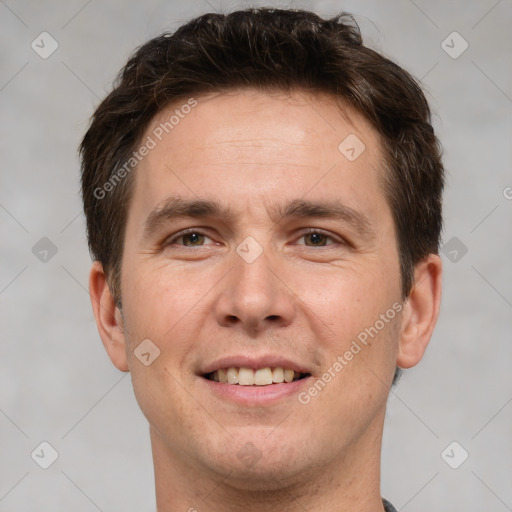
(263, 377)
(278, 375)
(223, 375)
(245, 377)
(232, 376)
(250, 377)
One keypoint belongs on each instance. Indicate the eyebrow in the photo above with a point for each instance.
(178, 208)
(327, 209)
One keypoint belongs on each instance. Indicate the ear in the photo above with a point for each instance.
(108, 317)
(420, 312)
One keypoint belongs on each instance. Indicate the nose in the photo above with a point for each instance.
(255, 295)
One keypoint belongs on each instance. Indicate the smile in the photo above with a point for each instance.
(241, 376)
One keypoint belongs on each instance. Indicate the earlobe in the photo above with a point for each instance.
(420, 312)
(108, 317)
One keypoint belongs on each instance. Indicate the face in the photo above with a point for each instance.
(255, 241)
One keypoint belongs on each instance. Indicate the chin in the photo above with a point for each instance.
(261, 465)
(263, 476)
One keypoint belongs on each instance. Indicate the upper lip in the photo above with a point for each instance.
(254, 362)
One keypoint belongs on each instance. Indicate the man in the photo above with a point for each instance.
(263, 203)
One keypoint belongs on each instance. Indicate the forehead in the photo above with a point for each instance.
(246, 147)
(251, 119)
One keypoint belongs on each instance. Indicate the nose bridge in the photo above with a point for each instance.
(253, 269)
(254, 296)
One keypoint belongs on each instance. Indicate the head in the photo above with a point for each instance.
(259, 116)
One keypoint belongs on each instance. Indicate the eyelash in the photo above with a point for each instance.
(171, 240)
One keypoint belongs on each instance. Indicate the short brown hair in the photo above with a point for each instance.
(266, 49)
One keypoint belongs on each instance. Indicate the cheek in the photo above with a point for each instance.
(354, 382)
(160, 307)
(362, 311)
(353, 297)
(160, 298)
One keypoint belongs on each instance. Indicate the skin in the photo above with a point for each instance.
(198, 300)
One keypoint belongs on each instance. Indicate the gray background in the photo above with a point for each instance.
(56, 382)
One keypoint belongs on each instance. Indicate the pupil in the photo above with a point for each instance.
(316, 238)
(194, 237)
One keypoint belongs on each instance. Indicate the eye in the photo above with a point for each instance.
(188, 238)
(316, 238)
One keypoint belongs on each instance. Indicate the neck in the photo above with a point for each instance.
(349, 481)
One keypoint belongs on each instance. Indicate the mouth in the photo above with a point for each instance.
(267, 376)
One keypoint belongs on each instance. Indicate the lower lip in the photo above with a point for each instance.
(255, 395)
